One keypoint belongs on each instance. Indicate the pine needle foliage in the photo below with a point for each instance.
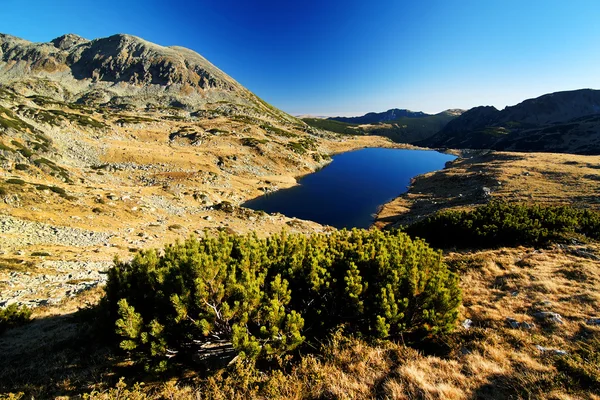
(13, 316)
(267, 296)
(498, 224)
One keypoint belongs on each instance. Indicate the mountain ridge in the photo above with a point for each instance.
(560, 122)
(385, 116)
(399, 125)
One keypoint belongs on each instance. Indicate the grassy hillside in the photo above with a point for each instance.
(334, 126)
(410, 129)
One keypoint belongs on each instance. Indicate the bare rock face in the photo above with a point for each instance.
(67, 41)
(126, 58)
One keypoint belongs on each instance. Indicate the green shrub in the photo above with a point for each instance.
(21, 167)
(13, 316)
(4, 147)
(253, 142)
(303, 145)
(9, 119)
(40, 254)
(500, 224)
(260, 294)
(580, 368)
(334, 126)
(25, 152)
(58, 190)
(296, 147)
(15, 181)
(270, 129)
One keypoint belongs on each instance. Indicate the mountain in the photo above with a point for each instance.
(374, 118)
(566, 122)
(401, 126)
(122, 71)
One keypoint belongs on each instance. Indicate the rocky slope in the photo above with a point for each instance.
(117, 144)
(567, 122)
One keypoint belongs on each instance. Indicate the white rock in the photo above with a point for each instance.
(467, 323)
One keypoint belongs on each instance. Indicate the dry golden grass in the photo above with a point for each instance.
(545, 178)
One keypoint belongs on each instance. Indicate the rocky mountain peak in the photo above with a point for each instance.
(67, 41)
(124, 69)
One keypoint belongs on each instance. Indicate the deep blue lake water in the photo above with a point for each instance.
(347, 192)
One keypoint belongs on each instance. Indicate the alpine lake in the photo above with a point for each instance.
(348, 192)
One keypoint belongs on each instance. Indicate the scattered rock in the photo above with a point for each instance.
(20, 231)
(549, 316)
(513, 323)
(545, 350)
(467, 323)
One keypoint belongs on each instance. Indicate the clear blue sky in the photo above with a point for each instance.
(333, 57)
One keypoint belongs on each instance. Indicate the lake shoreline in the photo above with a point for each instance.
(349, 193)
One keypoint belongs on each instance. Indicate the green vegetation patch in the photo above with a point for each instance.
(277, 131)
(334, 126)
(500, 224)
(581, 367)
(40, 254)
(217, 131)
(4, 147)
(266, 297)
(43, 100)
(303, 145)
(253, 142)
(128, 119)
(16, 264)
(58, 190)
(79, 119)
(13, 316)
(9, 119)
(15, 181)
(58, 170)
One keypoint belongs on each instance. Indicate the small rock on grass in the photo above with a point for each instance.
(549, 316)
(545, 350)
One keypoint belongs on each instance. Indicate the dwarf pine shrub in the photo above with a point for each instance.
(267, 296)
(499, 224)
(13, 316)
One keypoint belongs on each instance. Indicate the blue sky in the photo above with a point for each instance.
(350, 57)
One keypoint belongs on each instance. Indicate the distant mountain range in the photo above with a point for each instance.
(564, 122)
(567, 122)
(400, 125)
(386, 116)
